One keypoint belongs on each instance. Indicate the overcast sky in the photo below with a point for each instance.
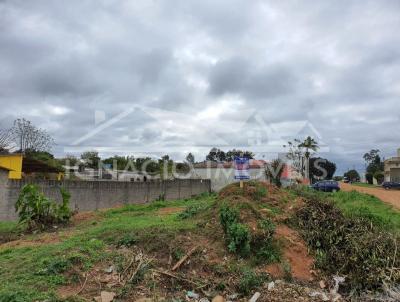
(178, 76)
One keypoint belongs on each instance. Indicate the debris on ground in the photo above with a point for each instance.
(255, 297)
(184, 258)
(192, 295)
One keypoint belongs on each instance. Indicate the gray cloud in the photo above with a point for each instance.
(240, 76)
(333, 63)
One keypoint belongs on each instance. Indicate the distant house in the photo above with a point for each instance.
(222, 174)
(19, 166)
(392, 168)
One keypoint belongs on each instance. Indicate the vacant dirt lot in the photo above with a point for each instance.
(390, 196)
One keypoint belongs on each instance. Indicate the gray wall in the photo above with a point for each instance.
(93, 195)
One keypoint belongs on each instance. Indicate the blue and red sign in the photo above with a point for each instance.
(242, 166)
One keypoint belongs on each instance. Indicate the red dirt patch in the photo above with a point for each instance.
(295, 253)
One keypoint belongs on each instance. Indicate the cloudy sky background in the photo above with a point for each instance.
(190, 75)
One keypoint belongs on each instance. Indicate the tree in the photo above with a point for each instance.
(216, 155)
(146, 164)
(190, 158)
(30, 138)
(120, 162)
(374, 164)
(321, 168)
(68, 160)
(183, 168)
(369, 177)
(352, 175)
(379, 176)
(231, 154)
(6, 140)
(91, 159)
(370, 156)
(299, 153)
(309, 144)
(219, 155)
(274, 171)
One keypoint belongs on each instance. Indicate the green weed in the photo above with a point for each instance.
(250, 280)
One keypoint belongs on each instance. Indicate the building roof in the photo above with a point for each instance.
(4, 168)
(30, 165)
(254, 164)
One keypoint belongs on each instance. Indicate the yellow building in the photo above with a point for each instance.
(13, 162)
(19, 166)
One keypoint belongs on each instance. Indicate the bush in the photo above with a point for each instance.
(239, 239)
(266, 250)
(192, 210)
(37, 211)
(260, 192)
(238, 235)
(128, 240)
(370, 178)
(379, 176)
(242, 241)
(250, 280)
(228, 216)
(349, 246)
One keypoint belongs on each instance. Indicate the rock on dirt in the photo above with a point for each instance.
(218, 299)
(105, 297)
(271, 285)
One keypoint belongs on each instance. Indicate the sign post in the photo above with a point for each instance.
(242, 169)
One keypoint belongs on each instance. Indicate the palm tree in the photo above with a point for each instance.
(310, 145)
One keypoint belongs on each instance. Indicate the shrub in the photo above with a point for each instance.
(238, 235)
(37, 211)
(192, 210)
(370, 178)
(228, 216)
(243, 242)
(250, 280)
(350, 246)
(239, 239)
(127, 240)
(260, 192)
(379, 176)
(274, 171)
(262, 243)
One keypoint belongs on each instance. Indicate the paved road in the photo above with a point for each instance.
(388, 196)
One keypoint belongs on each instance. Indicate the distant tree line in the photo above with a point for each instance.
(218, 155)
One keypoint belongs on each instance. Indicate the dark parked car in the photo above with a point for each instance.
(326, 186)
(391, 185)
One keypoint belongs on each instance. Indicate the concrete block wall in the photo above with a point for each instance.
(93, 195)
